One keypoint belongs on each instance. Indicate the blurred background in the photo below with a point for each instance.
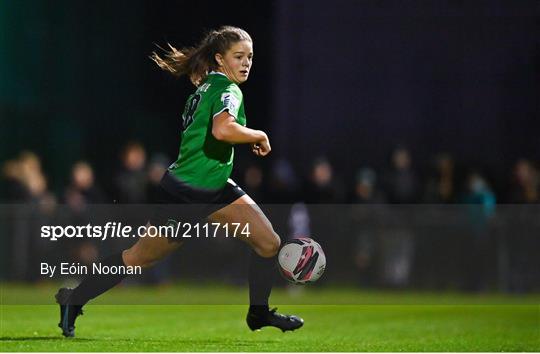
(406, 135)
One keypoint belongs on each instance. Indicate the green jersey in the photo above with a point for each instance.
(203, 161)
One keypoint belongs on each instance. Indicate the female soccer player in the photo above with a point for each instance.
(213, 121)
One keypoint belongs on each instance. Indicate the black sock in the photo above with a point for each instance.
(96, 284)
(261, 279)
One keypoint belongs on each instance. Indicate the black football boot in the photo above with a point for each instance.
(68, 313)
(265, 317)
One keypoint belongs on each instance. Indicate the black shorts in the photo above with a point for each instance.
(181, 202)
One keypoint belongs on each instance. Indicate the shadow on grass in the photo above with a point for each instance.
(204, 342)
(207, 342)
(36, 338)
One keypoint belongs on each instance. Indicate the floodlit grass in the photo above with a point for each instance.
(407, 326)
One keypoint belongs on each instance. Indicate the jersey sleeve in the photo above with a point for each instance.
(229, 100)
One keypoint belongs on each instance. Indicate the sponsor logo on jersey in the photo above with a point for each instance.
(229, 101)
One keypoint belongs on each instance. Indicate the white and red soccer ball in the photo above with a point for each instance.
(301, 260)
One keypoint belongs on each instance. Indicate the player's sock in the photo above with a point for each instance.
(261, 278)
(96, 284)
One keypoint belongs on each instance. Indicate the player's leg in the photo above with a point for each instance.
(265, 244)
(144, 253)
(262, 237)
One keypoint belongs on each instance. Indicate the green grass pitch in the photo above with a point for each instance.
(415, 323)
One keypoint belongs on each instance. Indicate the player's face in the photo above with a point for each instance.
(236, 62)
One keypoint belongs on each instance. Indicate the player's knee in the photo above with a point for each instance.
(270, 247)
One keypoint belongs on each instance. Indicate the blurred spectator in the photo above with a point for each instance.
(156, 169)
(299, 221)
(253, 182)
(35, 183)
(518, 253)
(475, 250)
(366, 227)
(15, 190)
(441, 188)
(398, 237)
(131, 181)
(81, 192)
(32, 176)
(283, 187)
(525, 183)
(323, 186)
(479, 193)
(82, 189)
(401, 181)
(37, 208)
(160, 273)
(366, 190)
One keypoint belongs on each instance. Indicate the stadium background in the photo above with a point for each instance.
(339, 88)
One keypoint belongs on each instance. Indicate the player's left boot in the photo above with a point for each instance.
(257, 320)
(68, 313)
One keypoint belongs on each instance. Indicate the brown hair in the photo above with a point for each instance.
(196, 62)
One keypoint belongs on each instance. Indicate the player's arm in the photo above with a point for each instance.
(225, 128)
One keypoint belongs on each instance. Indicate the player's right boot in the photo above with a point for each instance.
(264, 318)
(68, 313)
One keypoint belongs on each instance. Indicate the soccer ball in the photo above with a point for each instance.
(301, 260)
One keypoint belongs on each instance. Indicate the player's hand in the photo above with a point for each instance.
(262, 147)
